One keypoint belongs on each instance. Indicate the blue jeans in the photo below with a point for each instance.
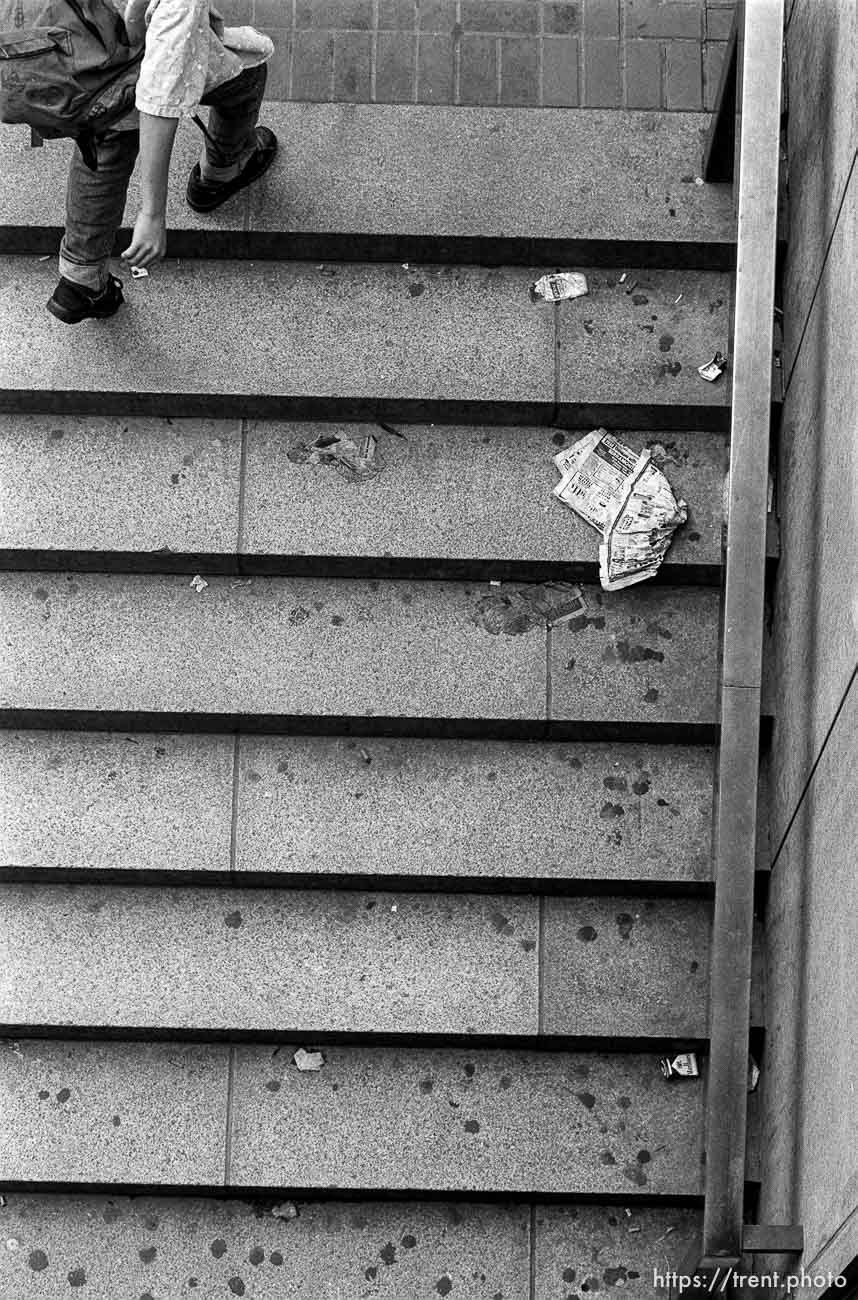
(95, 201)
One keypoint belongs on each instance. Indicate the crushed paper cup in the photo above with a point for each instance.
(308, 1061)
(713, 369)
(559, 286)
(683, 1066)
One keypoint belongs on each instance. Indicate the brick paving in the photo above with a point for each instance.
(658, 54)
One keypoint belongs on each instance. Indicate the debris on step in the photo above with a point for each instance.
(199, 584)
(519, 609)
(308, 1060)
(753, 1074)
(139, 273)
(714, 369)
(683, 1066)
(627, 499)
(353, 462)
(286, 1210)
(559, 286)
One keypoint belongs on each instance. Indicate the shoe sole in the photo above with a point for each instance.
(75, 318)
(210, 207)
(70, 317)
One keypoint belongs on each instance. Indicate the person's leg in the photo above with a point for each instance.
(231, 139)
(95, 202)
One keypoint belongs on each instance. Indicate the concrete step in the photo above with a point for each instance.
(407, 182)
(354, 341)
(360, 810)
(336, 1250)
(416, 1119)
(339, 962)
(83, 646)
(448, 501)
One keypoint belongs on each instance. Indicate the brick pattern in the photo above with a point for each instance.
(657, 54)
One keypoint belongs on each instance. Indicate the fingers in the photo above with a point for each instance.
(142, 253)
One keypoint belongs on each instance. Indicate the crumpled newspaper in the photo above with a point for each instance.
(627, 499)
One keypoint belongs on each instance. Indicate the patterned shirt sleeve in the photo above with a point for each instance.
(175, 66)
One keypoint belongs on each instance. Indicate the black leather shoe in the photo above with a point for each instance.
(72, 303)
(205, 196)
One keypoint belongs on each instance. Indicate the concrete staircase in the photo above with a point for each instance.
(330, 800)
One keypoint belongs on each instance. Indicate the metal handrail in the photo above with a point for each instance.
(756, 58)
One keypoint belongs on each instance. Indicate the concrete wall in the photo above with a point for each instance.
(810, 1145)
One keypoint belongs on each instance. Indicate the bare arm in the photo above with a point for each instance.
(149, 241)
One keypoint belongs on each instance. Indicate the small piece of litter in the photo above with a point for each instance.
(627, 498)
(353, 462)
(308, 1060)
(394, 907)
(2, 1202)
(637, 1229)
(517, 610)
(631, 288)
(241, 582)
(139, 273)
(627, 1212)
(666, 1233)
(286, 1210)
(365, 755)
(623, 277)
(683, 1066)
(406, 266)
(713, 369)
(698, 180)
(677, 299)
(46, 258)
(559, 286)
(494, 582)
(753, 1074)
(198, 583)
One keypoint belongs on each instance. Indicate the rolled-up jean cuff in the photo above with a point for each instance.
(90, 275)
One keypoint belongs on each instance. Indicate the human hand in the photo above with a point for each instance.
(148, 241)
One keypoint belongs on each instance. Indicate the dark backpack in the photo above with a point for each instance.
(67, 68)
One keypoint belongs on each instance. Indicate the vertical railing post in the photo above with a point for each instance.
(758, 91)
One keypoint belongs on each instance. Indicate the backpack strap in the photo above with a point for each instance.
(86, 142)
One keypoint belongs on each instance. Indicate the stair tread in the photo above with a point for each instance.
(404, 1248)
(100, 802)
(329, 340)
(539, 1118)
(94, 484)
(534, 1133)
(347, 648)
(436, 171)
(335, 962)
